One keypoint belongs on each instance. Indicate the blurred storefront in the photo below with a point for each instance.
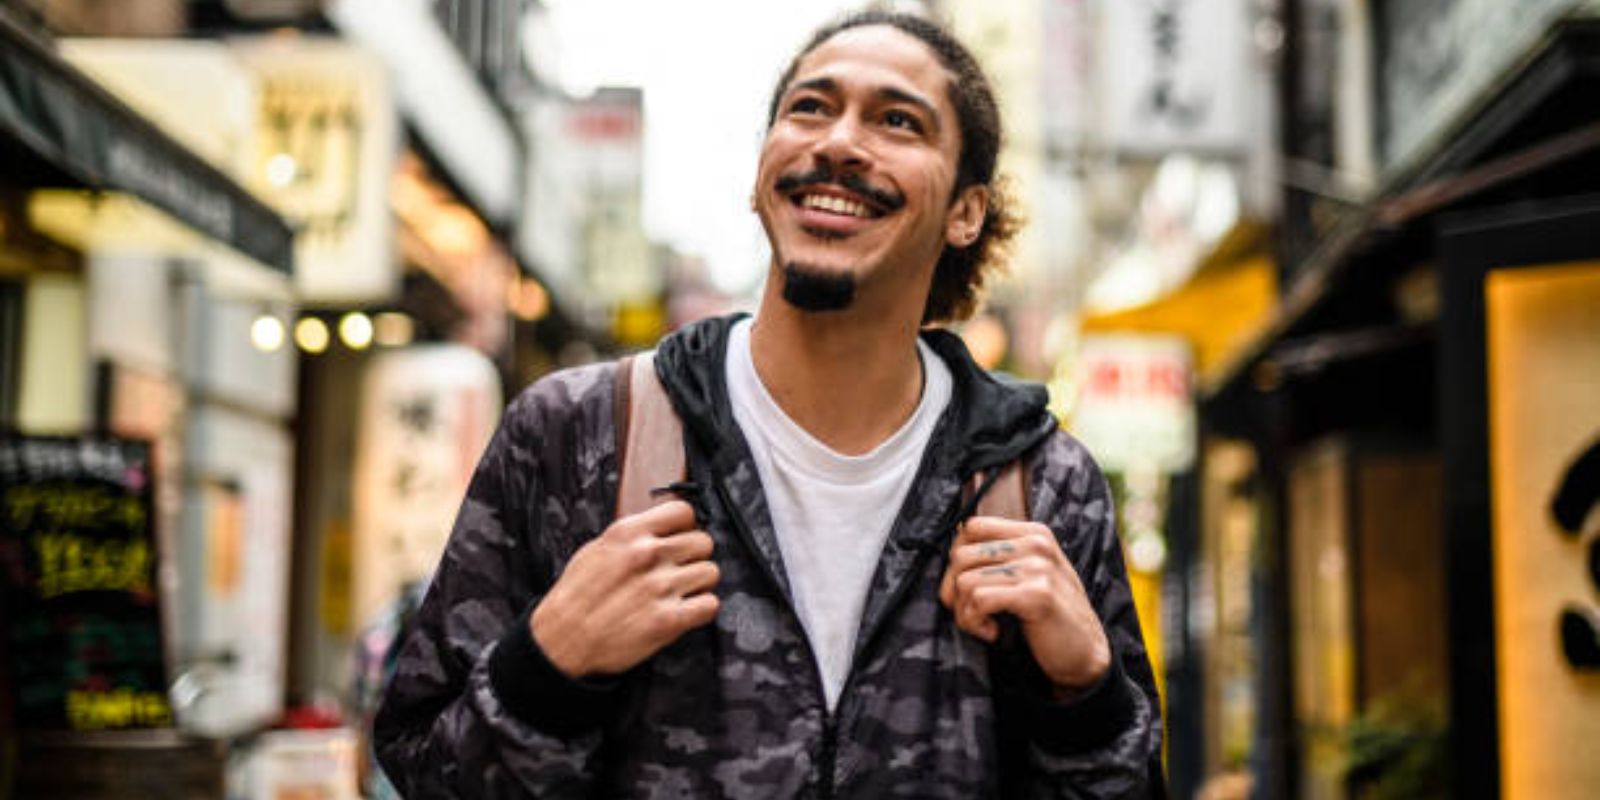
(585, 182)
(1207, 613)
(316, 401)
(137, 271)
(311, 128)
(1418, 407)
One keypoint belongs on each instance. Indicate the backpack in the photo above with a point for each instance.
(650, 449)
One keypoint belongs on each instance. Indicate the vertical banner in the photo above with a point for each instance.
(426, 415)
(1543, 336)
(1174, 75)
(78, 572)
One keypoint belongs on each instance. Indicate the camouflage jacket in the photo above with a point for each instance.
(736, 709)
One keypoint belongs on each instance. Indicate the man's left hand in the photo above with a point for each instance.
(999, 566)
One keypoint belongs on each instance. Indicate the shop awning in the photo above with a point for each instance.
(51, 112)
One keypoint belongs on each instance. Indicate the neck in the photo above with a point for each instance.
(850, 378)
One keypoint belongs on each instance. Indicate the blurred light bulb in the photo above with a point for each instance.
(393, 329)
(527, 299)
(281, 170)
(311, 334)
(266, 333)
(1147, 553)
(355, 330)
(986, 339)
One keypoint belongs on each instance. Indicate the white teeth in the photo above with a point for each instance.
(836, 205)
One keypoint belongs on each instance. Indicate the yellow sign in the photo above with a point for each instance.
(1543, 326)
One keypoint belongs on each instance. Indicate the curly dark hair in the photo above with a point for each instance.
(959, 276)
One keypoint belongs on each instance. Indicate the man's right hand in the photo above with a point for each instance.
(628, 593)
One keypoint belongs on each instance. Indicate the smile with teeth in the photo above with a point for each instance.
(836, 205)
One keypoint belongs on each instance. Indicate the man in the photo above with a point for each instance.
(812, 617)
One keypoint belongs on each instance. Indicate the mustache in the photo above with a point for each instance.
(821, 176)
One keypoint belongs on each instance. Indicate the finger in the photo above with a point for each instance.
(1027, 601)
(696, 610)
(975, 622)
(984, 529)
(1007, 573)
(667, 518)
(691, 579)
(957, 564)
(969, 616)
(686, 547)
(983, 554)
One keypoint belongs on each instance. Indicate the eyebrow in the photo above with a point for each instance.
(890, 93)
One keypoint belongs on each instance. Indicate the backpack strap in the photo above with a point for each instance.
(649, 435)
(1008, 497)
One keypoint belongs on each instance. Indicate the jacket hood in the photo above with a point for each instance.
(991, 419)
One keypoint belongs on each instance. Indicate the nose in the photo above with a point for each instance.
(842, 147)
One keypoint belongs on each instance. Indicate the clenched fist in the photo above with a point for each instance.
(627, 593)
(1005, 566)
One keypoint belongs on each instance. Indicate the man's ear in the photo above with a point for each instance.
(964, 221)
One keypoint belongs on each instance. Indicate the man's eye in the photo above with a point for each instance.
(806, 105)
(901, 119)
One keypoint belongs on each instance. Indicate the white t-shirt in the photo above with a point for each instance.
(832, 512)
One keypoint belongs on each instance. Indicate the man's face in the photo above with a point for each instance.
(853, 187)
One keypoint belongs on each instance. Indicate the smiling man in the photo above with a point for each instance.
(816, 613)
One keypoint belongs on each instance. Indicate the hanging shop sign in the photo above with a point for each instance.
(606, 134)
(325, 147)
(64, 119)
(78, 574)
(1543, 339)
(1174, 75)
(1067, 77)
(426, 415)
(1134, 408)
(450, 110)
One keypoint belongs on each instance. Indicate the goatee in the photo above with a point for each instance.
(811, 289)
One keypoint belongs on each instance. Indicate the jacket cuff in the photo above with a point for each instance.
(1091, 719)
(538, 693)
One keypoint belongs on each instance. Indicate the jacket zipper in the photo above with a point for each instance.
(830, 725)
(829, 751)
(829, 754)
(954, 515)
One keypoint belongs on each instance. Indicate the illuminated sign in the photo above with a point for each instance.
(1543, 336)
(1134, 410)
(77, 571)
(325, 151)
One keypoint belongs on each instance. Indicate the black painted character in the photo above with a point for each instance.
(1576, 497)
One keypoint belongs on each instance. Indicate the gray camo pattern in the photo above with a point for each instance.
(735, 709)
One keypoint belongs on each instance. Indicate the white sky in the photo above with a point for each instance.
(706, 67)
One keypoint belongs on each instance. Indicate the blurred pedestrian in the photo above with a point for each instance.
(377, 651)
(811, 616)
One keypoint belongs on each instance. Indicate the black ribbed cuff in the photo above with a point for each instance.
(1091, 719)
(534, 690)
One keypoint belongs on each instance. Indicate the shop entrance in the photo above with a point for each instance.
(1519, 345)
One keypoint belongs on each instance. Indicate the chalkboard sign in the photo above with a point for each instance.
(78, 573)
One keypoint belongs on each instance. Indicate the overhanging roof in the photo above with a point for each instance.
(1534, 132)
(85, 137)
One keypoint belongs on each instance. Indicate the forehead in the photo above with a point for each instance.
(878, 56)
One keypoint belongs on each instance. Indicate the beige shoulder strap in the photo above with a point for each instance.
(1008, 497)
(651, 452)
